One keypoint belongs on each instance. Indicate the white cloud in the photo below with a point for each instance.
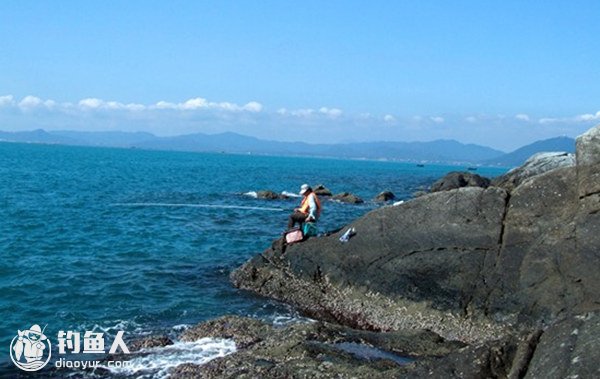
(7, 101)
(302, 112)
(582, 118)
(30, 102)
(588, 117)
(331, 112)
(437, 119)
(471, 119)
(253, 106)
(389, 118)
(91, 103)
(200, 103)
(522, 117)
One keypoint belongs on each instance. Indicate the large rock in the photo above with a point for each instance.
(346, 197)
(385, 196)
(536, 165)
(587, 222)
(568, 349)
(321, 190)
(456, 179)
(430, 250)
(471, 264)
(270, 195)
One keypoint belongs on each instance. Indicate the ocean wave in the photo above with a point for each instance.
(181, 327)
(158, 361)
(290, 194)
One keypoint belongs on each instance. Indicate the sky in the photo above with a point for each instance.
(496, 73)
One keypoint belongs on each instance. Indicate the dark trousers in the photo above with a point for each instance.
(297, 217)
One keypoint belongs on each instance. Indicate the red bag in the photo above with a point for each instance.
(293, 235)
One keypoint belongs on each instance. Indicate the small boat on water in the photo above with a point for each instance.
(472, 168)
(420, 165)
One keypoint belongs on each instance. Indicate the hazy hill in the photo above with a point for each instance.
(439, 151)
(519, 156)
(444, 151)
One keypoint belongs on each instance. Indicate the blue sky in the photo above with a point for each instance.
(498, 73)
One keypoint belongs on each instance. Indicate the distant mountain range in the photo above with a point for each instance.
(520, 155)
(440, 151)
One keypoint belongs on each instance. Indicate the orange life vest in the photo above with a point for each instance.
(304, 207)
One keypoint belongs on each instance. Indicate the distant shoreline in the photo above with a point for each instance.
(464, 164)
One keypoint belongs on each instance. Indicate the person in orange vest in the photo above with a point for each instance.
(310, 208)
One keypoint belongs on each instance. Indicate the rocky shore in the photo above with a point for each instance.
(478, 279)
(513, 267)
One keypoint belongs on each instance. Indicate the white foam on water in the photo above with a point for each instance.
(181, 327)
(290, 194)
(184, 205)
(253, 194)
(157, 361)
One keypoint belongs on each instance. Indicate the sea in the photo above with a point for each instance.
(108, 239)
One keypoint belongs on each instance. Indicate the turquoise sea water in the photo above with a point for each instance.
(75, 255)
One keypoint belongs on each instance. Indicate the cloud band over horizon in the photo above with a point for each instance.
(318, 124)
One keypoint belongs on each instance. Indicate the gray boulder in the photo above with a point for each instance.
(385, 196)
(321, 190)
(270, 195)
(349, 198)
(536, 165)
(455, 179)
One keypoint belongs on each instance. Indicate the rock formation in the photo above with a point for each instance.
(321, 190)
(481, 265)
(456, 179)
(346, 197)
(536, 165)
(384, 196)
(270, 195)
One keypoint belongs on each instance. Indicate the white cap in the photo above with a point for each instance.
(304, 188)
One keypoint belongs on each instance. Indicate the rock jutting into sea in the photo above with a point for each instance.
(346, 197)
(510, 270)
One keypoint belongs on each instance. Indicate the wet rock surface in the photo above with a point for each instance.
(310, 350)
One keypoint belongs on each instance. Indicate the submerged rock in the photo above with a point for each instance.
(270, 195)
(385, 196)
(346, 197)
(457, 179)
(321, 190)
